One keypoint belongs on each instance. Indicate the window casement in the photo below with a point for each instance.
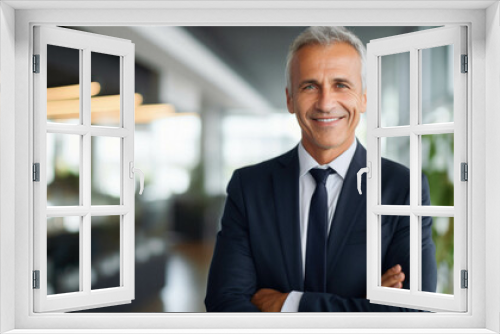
(74, 121)
(410, 129)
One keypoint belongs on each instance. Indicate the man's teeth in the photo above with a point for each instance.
(327, 120)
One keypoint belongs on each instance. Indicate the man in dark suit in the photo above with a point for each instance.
(293, 235)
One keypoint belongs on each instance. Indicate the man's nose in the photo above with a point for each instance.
(327, 101)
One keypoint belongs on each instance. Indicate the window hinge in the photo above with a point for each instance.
(36, 172)
(465, 279)
(36, 63)
(464, 171)
(36, 279)
(465, 64)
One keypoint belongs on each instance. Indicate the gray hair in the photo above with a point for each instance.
(325, 36)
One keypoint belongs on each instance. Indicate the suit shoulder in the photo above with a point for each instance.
(395, 183)
(394, 169)
(395, 166)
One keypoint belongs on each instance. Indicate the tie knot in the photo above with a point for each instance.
(320, 175)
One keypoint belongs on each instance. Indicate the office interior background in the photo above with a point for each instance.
(208, 100)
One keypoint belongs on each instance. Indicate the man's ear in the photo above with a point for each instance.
(363, 102)
(289, 101)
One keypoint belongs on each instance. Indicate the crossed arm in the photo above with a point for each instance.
(270, 300)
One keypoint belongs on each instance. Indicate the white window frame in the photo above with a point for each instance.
(413, 44)
(16, 224)
(86, 297)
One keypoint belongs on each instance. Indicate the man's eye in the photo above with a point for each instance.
(309, 87)
(341, 85)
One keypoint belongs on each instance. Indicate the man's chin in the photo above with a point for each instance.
(331, 146)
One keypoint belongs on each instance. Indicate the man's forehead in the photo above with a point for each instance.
(340, 48)
(339, 56)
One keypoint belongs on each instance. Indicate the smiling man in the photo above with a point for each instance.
(293, 235)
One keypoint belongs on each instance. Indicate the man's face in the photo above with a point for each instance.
(327, 98)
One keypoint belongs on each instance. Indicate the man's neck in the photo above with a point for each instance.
(325, 156)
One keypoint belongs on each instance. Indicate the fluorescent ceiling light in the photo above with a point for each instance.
(70, 92)
(63, 109)
(64, 103)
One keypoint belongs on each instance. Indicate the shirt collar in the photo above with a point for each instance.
(340, 164)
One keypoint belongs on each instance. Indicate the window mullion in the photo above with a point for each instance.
(422, 129)
(421, 210)
(109, 210)
(85, 273)
(81, 241)
(414, 179)
(419, 130)
(83, 130)
(434, 129)
(85, 245)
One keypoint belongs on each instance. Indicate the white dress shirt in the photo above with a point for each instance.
(307, 185)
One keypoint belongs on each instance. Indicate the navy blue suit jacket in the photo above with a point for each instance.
(258, 245)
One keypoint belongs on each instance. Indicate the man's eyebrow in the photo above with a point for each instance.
(334, 80)
(343, 80)
(308, 81)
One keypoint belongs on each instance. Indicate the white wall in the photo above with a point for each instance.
(492, 164)
(7, 159)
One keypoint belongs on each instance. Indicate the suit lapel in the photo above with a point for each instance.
(349, 206)
(286, 199)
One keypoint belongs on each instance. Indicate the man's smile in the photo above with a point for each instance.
(328, 121)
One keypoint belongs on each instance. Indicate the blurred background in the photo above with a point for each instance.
(208, 100)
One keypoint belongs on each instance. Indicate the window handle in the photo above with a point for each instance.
(368, 171)
(132, 171)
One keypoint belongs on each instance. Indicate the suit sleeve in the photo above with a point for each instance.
(232, 279)
(429, 266)
(398, 252)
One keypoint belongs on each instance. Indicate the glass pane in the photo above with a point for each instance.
(106, 171)
(63, 169)
(396, 149)
(437, 165)
(395, 89)
(437, 84)
(63, 85)
(63, 254)
(437, 254)
(395, 251)
(105, 108)
(105, 252)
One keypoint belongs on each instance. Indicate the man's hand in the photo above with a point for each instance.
(393, 277)
(269, 300)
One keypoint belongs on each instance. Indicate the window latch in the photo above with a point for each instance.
(132, 172)
(368, 171)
